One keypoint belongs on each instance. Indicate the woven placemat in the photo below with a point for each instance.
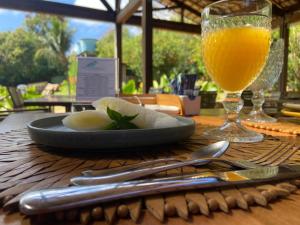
(279, 128)
(26, 166)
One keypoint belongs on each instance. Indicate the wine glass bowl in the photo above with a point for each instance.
(265, 81)
(235, 46)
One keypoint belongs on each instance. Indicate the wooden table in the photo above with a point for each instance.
(283, 212)
(66, 101)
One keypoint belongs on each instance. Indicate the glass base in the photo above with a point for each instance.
(259, 117)
(233, 132)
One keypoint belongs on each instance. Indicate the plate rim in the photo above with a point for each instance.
(30, 126)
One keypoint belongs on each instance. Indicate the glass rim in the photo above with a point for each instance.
(208, 7)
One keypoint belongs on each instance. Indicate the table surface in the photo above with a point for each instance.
(283, 212)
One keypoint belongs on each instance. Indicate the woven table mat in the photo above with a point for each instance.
(26, 166)
(280, 128)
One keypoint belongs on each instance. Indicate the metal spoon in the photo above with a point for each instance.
(210, 151)
(196, 158)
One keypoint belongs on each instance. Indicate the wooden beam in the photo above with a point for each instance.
(118, 48)
(188, 8)
(293, 8)
(91, 14)
(128, 11)
(147, 44)
(284, 33)
(168, 25)
(277, 11)
(293, 17)
(58, 9)
(182, 15)
(161, 9)
(107, 5)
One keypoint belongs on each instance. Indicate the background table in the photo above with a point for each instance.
(283, 212)
(50, 101)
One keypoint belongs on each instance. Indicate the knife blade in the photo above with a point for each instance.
(50, 200)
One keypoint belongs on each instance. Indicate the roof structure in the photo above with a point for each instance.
(122, 12)
(192, 9)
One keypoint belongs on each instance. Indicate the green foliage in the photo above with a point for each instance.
(275, 34)
(17, 51)
(35, 52)
(64, 88)
(53, 31)
(31, 92)
(132, 50)
(294, 59)
(164, 84)
(205, 85)
(173, 52)
(209, 86)
(55, 34)
(120, 122)
(131, 88)
(49, 66)
(5, 101)
(73, 66)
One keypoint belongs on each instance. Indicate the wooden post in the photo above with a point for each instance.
(284, 33)
(118, 47)
(182, 15)
(147, 43)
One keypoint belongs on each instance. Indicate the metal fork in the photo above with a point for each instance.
(274, 157)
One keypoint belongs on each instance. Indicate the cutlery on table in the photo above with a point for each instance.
(45, 201)
(210, 151)
(272, 157)
(197, 158)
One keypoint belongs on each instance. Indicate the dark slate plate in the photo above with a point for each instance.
(51, 132)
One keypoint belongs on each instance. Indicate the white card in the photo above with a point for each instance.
(96, 78)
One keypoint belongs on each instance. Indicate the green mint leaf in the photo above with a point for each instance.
(131, 126)
(114, 115)
(129, 118)
(112, 126)
(127, 125)
(120, 122)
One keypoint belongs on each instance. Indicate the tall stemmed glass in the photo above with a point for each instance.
(266, 80)
(235, 45)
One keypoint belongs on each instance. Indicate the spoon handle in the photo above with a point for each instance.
(90, 173)
(134, 174)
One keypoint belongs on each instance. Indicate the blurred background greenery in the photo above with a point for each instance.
(39, 52)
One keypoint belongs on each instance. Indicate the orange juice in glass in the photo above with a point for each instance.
(235, 47)
(233, 63)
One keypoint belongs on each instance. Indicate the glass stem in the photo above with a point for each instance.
(258, 100)
(233, 105)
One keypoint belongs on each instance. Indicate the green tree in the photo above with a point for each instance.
(36, 52)
(173, 52)
(294, 59)
(17, 51)
(131, 46)
(54, 33)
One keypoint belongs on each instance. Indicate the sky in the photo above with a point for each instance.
(10, 20)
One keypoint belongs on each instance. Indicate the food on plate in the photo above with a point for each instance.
(117, 114)
(143, 118)
(88, 120)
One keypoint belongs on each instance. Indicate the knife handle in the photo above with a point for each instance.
(134, 174)
(51, 200)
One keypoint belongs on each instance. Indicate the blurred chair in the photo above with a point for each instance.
(18, 103)
(50, 89)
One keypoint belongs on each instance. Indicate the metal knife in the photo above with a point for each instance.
(50, 200)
